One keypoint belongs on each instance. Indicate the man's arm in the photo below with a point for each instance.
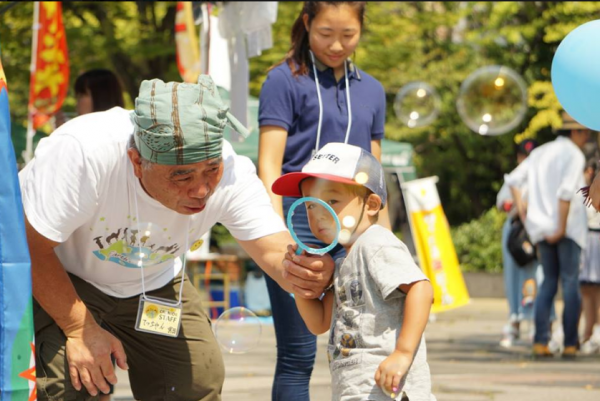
(519, 204)
(563, 214)
(89, 347)
(515, 180)
(594, 192)
(304, 275)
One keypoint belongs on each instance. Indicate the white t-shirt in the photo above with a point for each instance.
(553, 172)
(80, 190)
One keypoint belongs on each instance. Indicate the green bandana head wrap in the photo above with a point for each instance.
(181, 123)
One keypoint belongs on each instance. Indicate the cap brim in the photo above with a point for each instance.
(289, 184)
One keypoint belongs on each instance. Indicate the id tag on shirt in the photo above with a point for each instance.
(158, 316)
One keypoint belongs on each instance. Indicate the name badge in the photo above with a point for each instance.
(159, 316)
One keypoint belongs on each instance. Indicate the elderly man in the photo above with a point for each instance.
(112, 199)
(555, 220)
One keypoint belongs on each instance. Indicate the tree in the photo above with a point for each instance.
(442, 43)
(134, 39)
(437, 42)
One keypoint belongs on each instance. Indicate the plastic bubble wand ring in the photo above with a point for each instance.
(301, 245)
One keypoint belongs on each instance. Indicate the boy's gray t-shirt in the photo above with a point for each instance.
(367, 317)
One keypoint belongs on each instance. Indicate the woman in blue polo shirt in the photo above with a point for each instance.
(316, 95)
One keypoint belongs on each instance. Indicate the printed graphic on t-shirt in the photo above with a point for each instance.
(139, 244)
(356, 293)
(347, 351)
(350, 318)
(351, 290)
(345, 342)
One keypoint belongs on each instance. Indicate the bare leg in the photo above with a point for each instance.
(589, 313)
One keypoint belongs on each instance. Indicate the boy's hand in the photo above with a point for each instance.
(391, 373)
(308, 274)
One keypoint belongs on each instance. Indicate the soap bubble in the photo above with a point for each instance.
(417, 104)
(238, 330)
(492, 100)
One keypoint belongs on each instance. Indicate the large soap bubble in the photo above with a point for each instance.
(492, 100)
(238, 330)
(417, 104)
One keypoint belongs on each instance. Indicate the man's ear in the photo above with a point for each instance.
(373, 204)
(136, 161)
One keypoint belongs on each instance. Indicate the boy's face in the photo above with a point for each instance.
(347, 205)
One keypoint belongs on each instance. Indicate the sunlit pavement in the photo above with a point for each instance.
(467, 364)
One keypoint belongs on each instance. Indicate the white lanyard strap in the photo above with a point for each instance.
(321, 101)
(140, 254)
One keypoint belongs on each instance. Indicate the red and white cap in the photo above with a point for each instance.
(337, 162)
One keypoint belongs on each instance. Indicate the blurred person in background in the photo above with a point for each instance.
(554, 173)
(95, 90)
(519, 281)
(589, 275)
(98, 90)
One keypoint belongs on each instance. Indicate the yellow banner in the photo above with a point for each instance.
(433, 242)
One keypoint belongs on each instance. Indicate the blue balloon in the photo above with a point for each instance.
(576, 74)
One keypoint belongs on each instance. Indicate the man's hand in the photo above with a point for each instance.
(555, 238)
(592, 193)
(308, 274)
(88, 352)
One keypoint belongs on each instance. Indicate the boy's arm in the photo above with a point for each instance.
(316, 313)
(419, 297)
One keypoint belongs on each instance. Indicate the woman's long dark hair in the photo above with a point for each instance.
(298, 57)
(103, 86)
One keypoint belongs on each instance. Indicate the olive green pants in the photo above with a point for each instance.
(189, 367)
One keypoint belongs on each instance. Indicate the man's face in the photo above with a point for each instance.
(580, 137)
(184, 189)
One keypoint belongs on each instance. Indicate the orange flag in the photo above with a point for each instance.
(186, 42)
(50, 63)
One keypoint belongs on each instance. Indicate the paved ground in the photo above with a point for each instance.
(467, 364)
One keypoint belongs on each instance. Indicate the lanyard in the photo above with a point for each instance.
(141, 255)
(321, 101)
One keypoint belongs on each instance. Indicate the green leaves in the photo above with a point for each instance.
(440, 43)
(478, 242)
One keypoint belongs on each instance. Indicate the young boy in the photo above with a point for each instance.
(380, 302)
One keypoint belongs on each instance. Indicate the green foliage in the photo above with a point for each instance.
(134, 39)
(219, 236)
(440, 43)
(478, 242)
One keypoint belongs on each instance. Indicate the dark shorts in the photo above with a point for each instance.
(189, 367)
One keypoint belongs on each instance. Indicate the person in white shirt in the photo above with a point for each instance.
(518, 279)
(555, 220)
(112, 200)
